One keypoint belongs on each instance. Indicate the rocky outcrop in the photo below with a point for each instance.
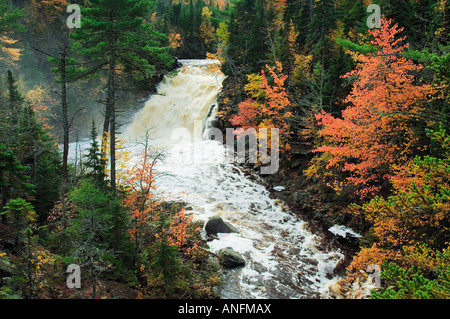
(229, 258)
(216, 225)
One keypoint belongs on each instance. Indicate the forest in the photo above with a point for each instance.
(362, 112)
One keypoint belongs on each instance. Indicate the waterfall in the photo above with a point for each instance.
(183, 100)
(283, 259)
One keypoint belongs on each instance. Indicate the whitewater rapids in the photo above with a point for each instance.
(282, 258)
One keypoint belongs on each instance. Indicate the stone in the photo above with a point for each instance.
(229, 258)
(216, 225)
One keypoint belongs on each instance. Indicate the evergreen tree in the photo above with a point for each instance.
(94, 160)
(248, 45)
(88, 230)
(38, 151)
(13, 180)
(116, 37)
(15, 101)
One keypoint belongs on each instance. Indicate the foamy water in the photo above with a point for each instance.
(283, 259)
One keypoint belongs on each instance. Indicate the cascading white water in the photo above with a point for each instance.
(283, 259)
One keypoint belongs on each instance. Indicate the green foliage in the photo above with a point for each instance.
(94, 160)
(7, 293)
(248, 42)
(88, 229)
(15, 99)
(38, 151)
(186, 19)
(364, 48)
(400, 283)
(20, 213)
(165, 258)
(13, 180)
(9, 18)
(133, 43)
(22, 217)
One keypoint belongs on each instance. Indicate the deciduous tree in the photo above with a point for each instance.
(376, 131)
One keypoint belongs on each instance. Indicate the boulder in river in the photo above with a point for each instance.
(216, 225)
(230, 258)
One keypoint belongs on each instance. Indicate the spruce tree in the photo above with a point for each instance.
(114, 35)
(15, 99)
(37, 150)
(13, 179)
(94, 161)
(88, 230)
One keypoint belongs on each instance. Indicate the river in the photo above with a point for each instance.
(283, 259)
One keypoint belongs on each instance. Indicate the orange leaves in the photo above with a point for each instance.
(178, 234)
(375, 131)
(175, 40)
(140, 186)
(368, 256)
(269, 105)
(247, 116)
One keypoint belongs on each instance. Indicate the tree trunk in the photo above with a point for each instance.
(65, 118)
(110, 105)
(310, 5)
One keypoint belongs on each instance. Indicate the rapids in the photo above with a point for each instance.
(283, 259)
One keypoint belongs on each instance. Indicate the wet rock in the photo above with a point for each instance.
(311, 261)
(216, 225)
(258, 267)
(346, 237)
(340, 268)
(229, 258)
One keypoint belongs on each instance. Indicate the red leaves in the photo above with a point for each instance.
(140, 186)
(269, 112)
(247, 116)
(178, 234)
(375, 131)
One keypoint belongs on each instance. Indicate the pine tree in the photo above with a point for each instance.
(38, 151)
(248, 44)
(115, 36)
(88, 230)
(94, 160)
(13, 180)
(15, 100)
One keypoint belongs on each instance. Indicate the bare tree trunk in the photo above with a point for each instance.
(64, 116)
(110, 105)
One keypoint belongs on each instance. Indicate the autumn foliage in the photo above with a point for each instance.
(376, 129)
(268, 106)
(411, 228)
(140, 186)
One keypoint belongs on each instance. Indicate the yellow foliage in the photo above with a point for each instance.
(253, 87)
(206, 12)
(302, 66)
(9, 54)
(368, 256)
(207, 32)
(175, 40)
(123, 158)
